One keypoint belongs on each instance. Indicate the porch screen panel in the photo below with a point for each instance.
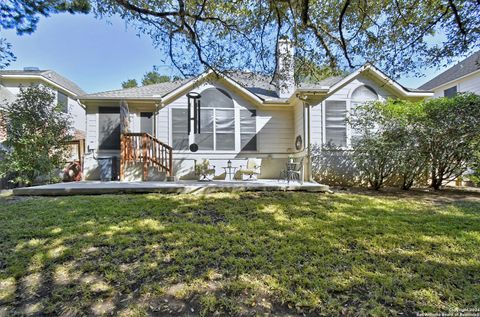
(109, 128)
(179, 129)
(205, 138)
(335, 123)
(225, 129)
(248, 130)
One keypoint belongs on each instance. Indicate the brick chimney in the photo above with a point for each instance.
(285, 69)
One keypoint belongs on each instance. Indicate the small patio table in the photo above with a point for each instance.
(230, 172)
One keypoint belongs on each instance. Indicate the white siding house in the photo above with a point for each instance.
(66, 92)
(243, 117)
(462, 77)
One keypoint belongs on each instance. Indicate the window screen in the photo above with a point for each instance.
(248, 130)
(450, 92)
(179, 129)
(205, 138)
(225, 129)
(62, 101)
(335, 123)
(109, 128)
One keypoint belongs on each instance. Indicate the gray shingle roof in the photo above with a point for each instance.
(50, 75)
(465, 67)
(260, 85)
(148, 91)
(329, 81)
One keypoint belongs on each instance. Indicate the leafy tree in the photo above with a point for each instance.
(308, 71)
(396, 35)
(450, 135)
(129, 83)
(23, 16)
(153, 77)
(37, 132)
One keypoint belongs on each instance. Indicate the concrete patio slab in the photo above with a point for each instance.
(116, 187)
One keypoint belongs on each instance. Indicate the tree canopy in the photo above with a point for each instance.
(396, 35)
(129, 83)
(149, 78)
(154, 77)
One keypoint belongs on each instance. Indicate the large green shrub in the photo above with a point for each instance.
(450, 136)
(386, 145)
(37, 135)
(403, 140)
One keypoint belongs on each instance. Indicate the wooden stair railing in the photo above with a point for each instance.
(146, 149)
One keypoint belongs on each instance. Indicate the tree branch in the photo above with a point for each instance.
(342, 38)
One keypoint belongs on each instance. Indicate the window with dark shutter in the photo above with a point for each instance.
(109, 128)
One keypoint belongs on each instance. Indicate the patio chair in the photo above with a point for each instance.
(294, 174)
(252, 169)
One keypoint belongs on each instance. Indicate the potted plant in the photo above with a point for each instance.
(204, 171)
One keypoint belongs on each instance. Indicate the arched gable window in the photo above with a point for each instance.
(217, 120)
(216, 98)
(364, 94)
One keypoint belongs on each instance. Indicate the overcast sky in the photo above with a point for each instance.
(98, 54)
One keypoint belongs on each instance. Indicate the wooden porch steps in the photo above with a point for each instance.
(147, 150)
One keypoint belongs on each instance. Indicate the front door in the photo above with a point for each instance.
(146, 122)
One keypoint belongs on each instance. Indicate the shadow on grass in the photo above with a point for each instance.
(237, 254)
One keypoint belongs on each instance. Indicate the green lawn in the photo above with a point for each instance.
(239, 254)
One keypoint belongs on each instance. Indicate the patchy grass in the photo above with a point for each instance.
(238, 254)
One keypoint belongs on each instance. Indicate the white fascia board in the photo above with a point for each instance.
(380, 76)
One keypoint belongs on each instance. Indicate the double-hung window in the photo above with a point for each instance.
(336, 123)
(62, 101)
(337, 132)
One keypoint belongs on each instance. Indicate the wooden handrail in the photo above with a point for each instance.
(144, 148)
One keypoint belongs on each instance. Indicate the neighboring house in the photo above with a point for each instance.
(66, 93)
(463, 77)
(243, 116)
